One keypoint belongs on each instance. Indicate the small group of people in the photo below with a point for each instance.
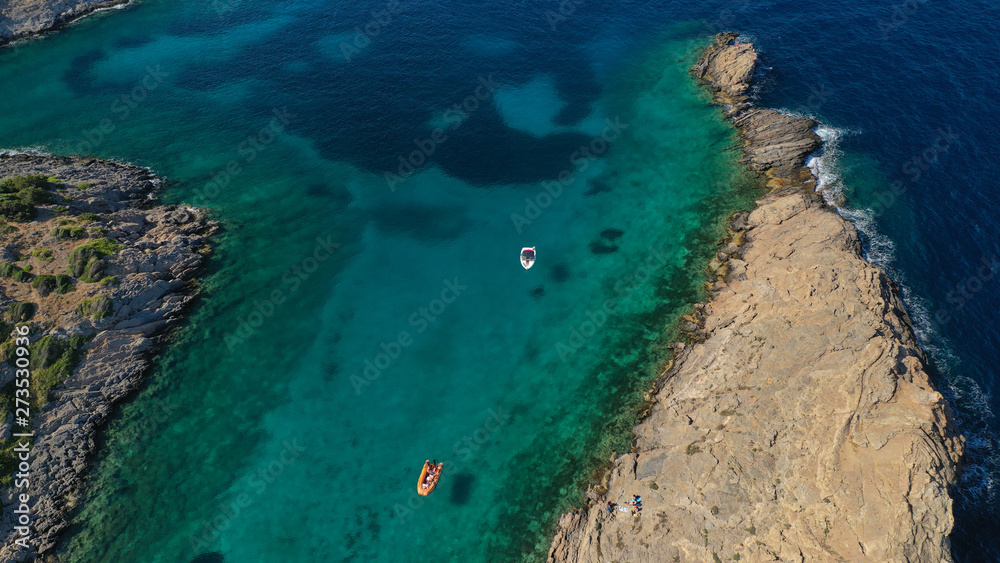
(635, 503)
(432, 472)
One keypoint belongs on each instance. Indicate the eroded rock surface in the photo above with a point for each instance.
(800, 424)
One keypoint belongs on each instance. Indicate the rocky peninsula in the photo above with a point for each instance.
(798, 421)
(99, 273)
(25, 18)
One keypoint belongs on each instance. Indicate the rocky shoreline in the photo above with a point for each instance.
(21, 19)
(151, 254)
(798, 423)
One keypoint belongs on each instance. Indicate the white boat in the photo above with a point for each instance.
(528, 257)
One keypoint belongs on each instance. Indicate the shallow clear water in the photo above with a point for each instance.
(353, 326)
(358, 318)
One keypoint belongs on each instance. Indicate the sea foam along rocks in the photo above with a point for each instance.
(25, 18)
(801, 423)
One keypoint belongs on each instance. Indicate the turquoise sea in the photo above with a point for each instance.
(377, 166)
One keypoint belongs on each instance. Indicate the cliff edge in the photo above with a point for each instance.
(799, 423)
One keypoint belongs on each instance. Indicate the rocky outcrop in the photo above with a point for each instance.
(23, 18)
(799, 423)
(161, 249)
(729, 67)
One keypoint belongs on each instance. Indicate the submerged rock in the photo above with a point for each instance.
(601, 247)
(612, 234)
(213, 557)
(559, 273)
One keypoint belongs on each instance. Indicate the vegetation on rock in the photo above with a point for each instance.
(20, 194)
(69, 232)
(96, 307)
(45, 284)
(20, 311)
(85, 260)
(13, 272)
(43, 254)
(53, 360)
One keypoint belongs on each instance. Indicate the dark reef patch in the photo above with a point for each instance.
(211, 557)
(612, 234)
(461, 488)
(330, 371)
(422, 222)
(559, 273)
(601, 247)
(78, 77)
(597, 186)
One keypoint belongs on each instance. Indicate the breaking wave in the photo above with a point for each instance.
(978, 484)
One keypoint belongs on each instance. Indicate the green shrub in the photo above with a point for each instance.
(85, 260)
(20, 194)
(43, 254)
(104, 246)
(67, 221)
(6, 229)
(92, 272)
(15, 184)
(96, 307)
(35, 195)
(7, 352)
(88, 217)
(69, 232)
(53, 360)
(11, 271)
(17, 211)
(54, 180)
(61, 209)
(8, 458)
(85, 185)
(109, 280)
(46, 283)
(21, 311)
(46, 351)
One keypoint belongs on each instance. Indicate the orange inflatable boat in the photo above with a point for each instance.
(429, 478)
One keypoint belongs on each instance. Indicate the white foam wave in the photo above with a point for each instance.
(825, 165)
(978, 485)
(122, 6)
(32, 150)
(877, 248)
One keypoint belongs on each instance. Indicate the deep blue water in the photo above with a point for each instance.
(904, 87)
(905, 91)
